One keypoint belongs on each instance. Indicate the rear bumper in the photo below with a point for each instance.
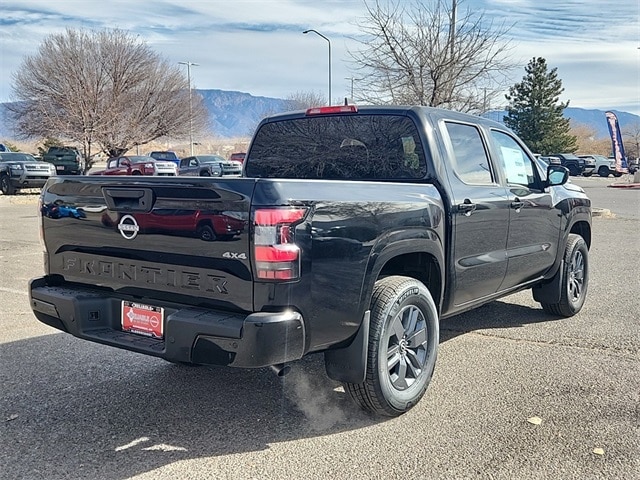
(65, 169)
(190, 334)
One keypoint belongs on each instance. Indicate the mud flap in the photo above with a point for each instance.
(550, 292)
(349, 364)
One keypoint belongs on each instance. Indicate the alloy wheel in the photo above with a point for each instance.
(407, 347)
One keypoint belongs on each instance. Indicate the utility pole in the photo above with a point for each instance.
(452, 28)
(352, 80)
(189, 65)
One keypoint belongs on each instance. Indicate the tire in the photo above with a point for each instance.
(587, 174)
(573, 170)
(205, 173)
(184, 364)
(574, 280)
(206, 233)
(5, 186)
(403, 345)
(603, 171)
(617, 174)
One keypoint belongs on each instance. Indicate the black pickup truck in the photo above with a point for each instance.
(364, 227)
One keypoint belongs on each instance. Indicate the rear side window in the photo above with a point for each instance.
(470, 162)
(516, 164)
(353, 147)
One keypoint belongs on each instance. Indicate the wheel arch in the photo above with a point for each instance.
(582, 228)
(410, 258)
(205, 222)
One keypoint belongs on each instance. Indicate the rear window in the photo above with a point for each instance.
(355, 147)
(164, 155)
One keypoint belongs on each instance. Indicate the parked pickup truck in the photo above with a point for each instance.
(366, 227)
(603, 166)
(576, 165)
(67, 160)
(167, 155)
(209, 166)
(138, 165)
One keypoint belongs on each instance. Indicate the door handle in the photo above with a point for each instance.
(517, 205)
(466, 207)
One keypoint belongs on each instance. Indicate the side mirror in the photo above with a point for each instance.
(557, 175)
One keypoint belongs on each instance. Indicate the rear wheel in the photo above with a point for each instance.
(617, 174)
(205, 232)
(574, 279)
(5, 186)
(573, 170)
(403, 344)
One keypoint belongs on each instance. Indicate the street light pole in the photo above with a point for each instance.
(189, 65)
(329, 42)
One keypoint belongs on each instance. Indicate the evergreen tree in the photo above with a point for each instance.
(535, 112)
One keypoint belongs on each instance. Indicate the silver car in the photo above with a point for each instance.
(21, 170)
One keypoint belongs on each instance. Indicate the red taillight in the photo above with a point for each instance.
(276, 256)
(332, 109)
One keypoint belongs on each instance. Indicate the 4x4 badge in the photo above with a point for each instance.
(128, 227)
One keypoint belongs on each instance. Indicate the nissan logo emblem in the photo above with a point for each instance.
(128, 227)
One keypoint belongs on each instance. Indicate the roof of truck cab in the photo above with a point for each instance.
(421, 111)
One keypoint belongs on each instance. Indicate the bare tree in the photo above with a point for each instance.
(104, 88)
(588, 141)
(631, 135)
(301, 100)
(424, 53)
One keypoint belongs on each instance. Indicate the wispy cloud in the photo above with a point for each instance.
(257, 46)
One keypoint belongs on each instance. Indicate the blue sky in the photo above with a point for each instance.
(258, 47)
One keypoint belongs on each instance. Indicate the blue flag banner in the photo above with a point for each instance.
(616, 140)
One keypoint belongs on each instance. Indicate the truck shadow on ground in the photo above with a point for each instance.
(73, 409)
(494, 315)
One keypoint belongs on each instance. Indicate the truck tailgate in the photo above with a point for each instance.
(182, 238)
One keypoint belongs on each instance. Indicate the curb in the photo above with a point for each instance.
(600, 212)
(624, 185)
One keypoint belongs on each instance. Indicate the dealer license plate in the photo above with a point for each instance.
(59, 167)
(143, 319)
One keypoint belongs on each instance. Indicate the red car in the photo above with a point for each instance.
(138, 165)
(207, 226)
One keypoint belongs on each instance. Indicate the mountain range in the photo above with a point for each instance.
(594, 119)
(236, 114)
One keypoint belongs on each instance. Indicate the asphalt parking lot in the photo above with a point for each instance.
(70, 409)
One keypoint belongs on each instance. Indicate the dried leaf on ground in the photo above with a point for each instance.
(534, 420)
